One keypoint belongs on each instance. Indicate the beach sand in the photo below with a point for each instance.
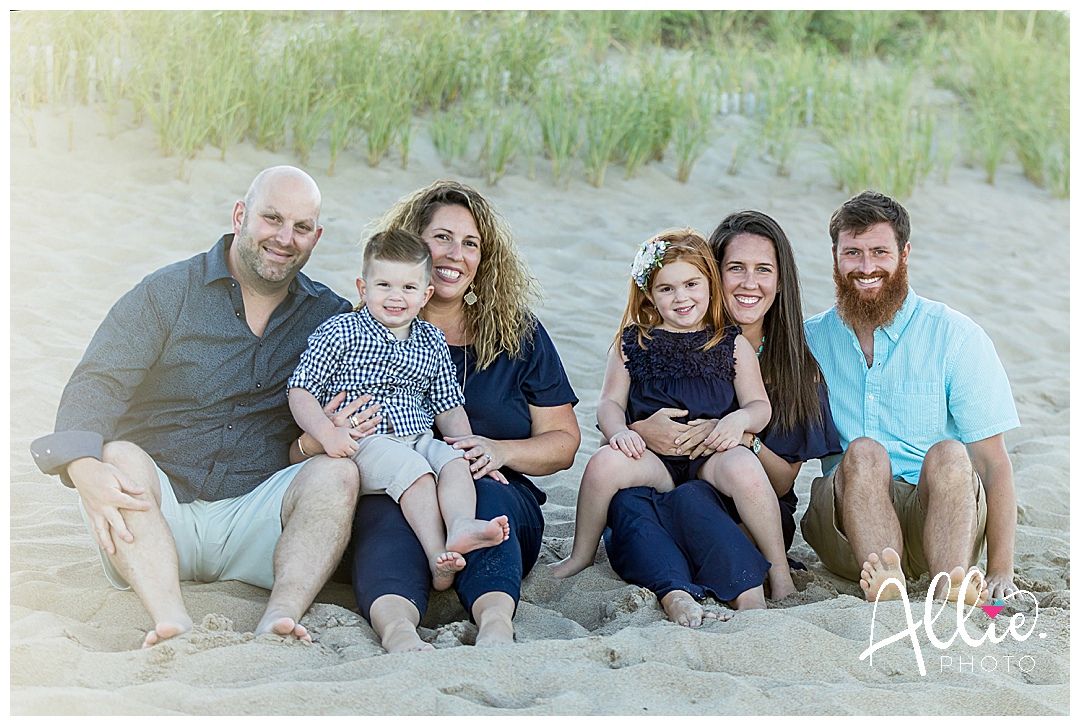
(91, 216)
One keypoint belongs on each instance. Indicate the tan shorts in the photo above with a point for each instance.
(822, 533)
(391, 464)
(230, 539)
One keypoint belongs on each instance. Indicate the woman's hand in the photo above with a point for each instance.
(659, 431)
(693, 439)
(728, 432)
(486, 456)
(629, 443)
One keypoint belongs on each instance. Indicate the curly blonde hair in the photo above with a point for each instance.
(501, 319)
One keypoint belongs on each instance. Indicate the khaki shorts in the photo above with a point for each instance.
(230, 539)
(391, 464)
(822, 533)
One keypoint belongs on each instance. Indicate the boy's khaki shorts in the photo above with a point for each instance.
(822, 533)
(230, 539)
(391, 464)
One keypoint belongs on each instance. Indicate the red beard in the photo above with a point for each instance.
(859, 309)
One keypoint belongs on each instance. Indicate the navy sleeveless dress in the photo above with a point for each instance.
(672, 371)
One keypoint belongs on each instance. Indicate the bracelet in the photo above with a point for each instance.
(300, 445)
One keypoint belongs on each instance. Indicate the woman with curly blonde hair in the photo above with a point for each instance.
(520, 405)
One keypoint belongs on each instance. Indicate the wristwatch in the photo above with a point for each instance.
(755, 444)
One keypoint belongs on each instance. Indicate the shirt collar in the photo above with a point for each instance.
(218, 269)
(368, 320)
(903, 316)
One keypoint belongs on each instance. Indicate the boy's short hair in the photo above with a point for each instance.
(397, 245)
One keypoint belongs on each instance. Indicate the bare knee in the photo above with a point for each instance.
(737, 473)
(332, 481)
(135, 464)
(948, 459)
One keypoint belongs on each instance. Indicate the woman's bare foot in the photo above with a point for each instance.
(495, 629)
(401, 637)
(568, 567)
(163, 632)
(283, 628)
(975, 592)
(443, 569)
(876, 570)
(465, 535)
(752, 599)
(682, 609)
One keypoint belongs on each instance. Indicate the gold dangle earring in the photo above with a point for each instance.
(470, 296)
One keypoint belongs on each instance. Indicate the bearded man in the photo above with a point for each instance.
(921, 402)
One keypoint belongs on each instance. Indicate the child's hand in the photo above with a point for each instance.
(727, 434)
(339, 442)
(629, 443)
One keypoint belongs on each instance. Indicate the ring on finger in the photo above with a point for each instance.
(353, 421)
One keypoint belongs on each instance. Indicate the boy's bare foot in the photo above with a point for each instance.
(568, 567)
(443, 569)
(682, 609)
(283, 628)
(876, 570)
(401, 637)
(163, 632)
(465, 535)
(975, 592)
(752, 599)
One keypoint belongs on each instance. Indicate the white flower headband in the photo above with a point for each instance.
(647, 259)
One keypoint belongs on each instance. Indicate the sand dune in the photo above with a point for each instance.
(88, 223)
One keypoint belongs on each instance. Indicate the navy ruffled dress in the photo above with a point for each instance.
(673, 371)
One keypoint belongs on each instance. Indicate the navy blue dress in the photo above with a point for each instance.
(688, 539)
(388, 559)
(673, 371)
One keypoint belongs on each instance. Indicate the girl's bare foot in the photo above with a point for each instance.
(568, 567)
(443, 569)
(401, 637)
(876, 570)
(780, 583)
(465, 535)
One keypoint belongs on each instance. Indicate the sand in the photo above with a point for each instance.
(91, 216)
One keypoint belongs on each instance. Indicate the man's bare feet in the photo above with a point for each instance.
(465, 535)
(876, 570)
(568, 567)
(752, 599)
(401, 637)
(163, 632)
(975, 592)
(682, 609)
(283, 628)
(443, 569)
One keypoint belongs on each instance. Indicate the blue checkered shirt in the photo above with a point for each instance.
(414, 379)
(935, 376)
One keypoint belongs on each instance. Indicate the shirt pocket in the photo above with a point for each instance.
(915, 413)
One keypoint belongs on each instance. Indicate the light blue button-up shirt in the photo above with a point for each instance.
(935, 376)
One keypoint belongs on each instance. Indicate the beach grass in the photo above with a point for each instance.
(601, 86)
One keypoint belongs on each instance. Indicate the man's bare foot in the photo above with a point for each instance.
(283, 628)
(975, 592)
(567, 567)
(752, 599)
(682, 609)
(163, 632)
(876, 570)
(495, 629)
(466, 535)
(401, 637)
(443, 569)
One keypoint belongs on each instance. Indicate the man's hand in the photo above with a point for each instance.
(365, 420)
(104, 491)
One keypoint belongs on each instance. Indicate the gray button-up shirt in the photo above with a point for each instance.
(175, 369)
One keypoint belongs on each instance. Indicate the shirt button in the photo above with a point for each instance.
(238, 314)
(229, 427)
(871, 397)
(258, 385)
